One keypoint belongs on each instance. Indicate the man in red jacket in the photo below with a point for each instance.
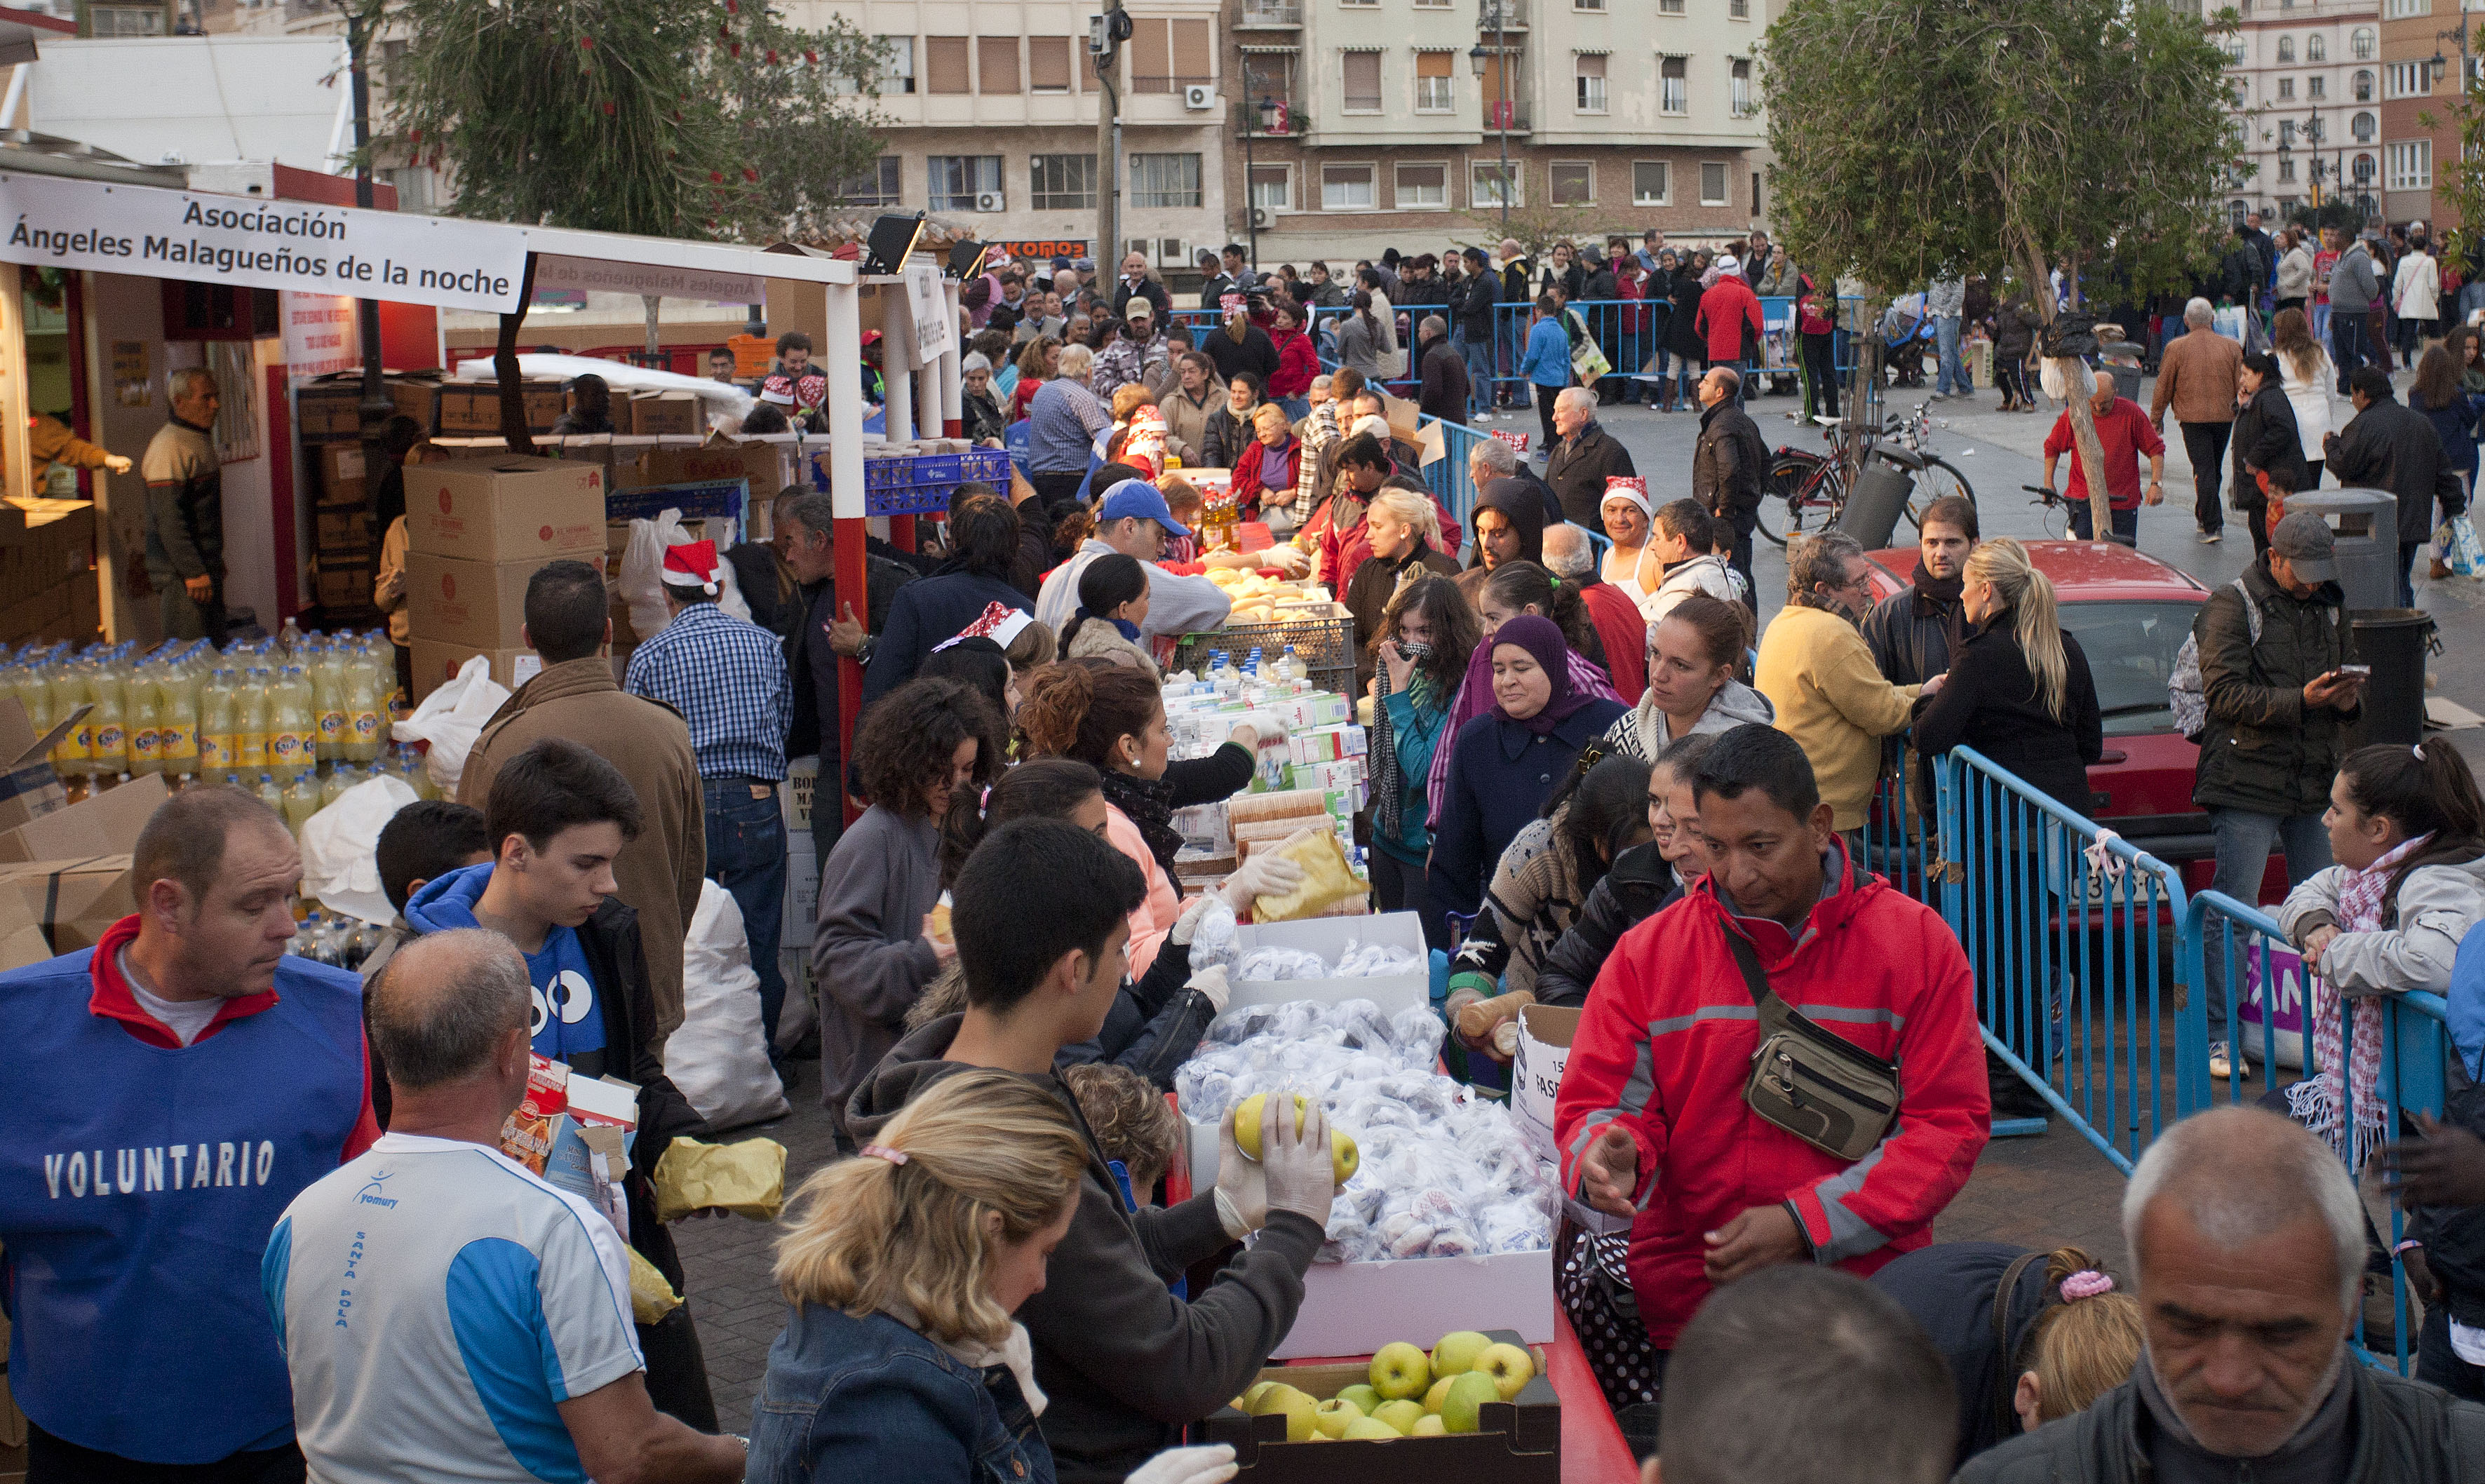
(1727, 309)
(1650, 1117)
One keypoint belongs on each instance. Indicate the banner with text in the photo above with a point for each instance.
(256, 243)
(322, 334)
(555, 271)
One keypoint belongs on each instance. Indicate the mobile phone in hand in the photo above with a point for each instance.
(2357, 672)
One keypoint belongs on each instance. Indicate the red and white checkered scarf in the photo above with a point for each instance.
(2319, 1101)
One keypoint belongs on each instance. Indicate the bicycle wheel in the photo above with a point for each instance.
(1781, 501)
(1938, 479)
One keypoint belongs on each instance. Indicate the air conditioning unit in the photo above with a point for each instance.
(1263, 217)
(1198, 97)
(1172, 253)
(991, 201)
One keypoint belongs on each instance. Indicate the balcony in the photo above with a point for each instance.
(1502, 16)
(1269, 15)
(1295, 122)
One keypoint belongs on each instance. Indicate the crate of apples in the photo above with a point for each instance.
(1475, 1401)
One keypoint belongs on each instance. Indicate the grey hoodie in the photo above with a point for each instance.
(1125, 1363)
(2352, 284)
(1641, 734)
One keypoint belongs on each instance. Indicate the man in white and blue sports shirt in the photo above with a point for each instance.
(445, 1312)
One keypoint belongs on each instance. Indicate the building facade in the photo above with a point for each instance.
(2310, 87)
(1366, 124)
(2422, 64)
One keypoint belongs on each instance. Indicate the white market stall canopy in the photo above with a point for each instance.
(205, 97)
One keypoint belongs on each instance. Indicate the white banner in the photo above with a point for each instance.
(928, 308)
(261, 244)
(322, 335)
(554, 271)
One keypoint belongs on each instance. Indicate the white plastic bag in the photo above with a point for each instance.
(451, 719)
(718, 1057)
(642, 583)
(339, 866)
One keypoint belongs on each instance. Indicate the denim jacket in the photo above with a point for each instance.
(858, 1399)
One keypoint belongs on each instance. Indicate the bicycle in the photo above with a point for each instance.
(2057, 515)
(1810, 483)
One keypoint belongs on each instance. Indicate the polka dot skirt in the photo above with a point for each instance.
(1626, 1364)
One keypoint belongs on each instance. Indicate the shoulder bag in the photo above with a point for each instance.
(1815, 1083)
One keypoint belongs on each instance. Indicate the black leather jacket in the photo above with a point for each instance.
(1639, 884)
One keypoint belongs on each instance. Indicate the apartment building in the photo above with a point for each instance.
(2422, 61)
(2309, 113)
(1371, 122)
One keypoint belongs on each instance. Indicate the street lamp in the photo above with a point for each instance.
(1267, 111)
(1476, 60)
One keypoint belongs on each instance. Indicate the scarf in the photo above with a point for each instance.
(1014, 1355)
(1931, 590)
(1122, 627)
(2319, 1102)
(1148, 802)
(1541, 638)
(1475, 698)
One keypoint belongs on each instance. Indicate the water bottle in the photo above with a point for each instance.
(289, 638)
(1293, 666)
(328, 701)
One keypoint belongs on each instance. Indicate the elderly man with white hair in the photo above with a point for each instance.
(2247, 1243)
(1585, 459)
(2196, 376)
(1490, 458)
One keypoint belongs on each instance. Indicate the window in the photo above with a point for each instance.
(1266, 75)
(874, 187)
(898, 74)
(1669, 7)
(1346, 188)
(1574, 182)
(2287, 133)
(1494, 86)
(1588, 80)
(2316, 47)
(1739, 9)
(1649, 183)
(1047, 64)
(1359, 73)
(2359, 43)
(1436, 88)
(2364, 169)
(2398, 8)
(944, 65)
(127, 19)
(996, 64)
(2364, 87)
(1167, 56)
(1423, 187)
(1674, 85)
(958, 179)
(1488, 186)
(2131, 651)
(2410, 165)
(2287, 51)
(1586, 5)
(2285, 88)
(1162, 180)
(2286, 167)
(2407, 79)
(2316, 87)
(2364, 126)
(1062, 183)
(1272, 187)
(1712, 183)
(1741, 86)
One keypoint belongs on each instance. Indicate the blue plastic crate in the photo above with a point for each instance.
(937, 469)
(911, 500)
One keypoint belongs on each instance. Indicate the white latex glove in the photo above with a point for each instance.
(1288, 559)
(1266, 726)
(1241, 1185)
(1211, 1464)
(1187, 925)
(1295, 1162)
(1210, 982)
(1266, 874)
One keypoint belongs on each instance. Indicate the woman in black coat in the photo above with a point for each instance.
(2266, 443)
(1682, 333)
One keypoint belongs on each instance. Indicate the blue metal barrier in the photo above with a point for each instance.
(1448, 475)
(2073, 963)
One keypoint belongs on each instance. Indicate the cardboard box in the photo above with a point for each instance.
(54, 907)
(768, 466)
(326, 410)
(481, 604)
(66, 525)
(508, 508)
(655, 413)
(1545, 1032)
(416, 397)
(802, 891)
(474, 407)
(86, 605)
(1516, 1441)
(1327, 937)
(106, 823)
(342, 585)
(794, 799)
(435, 665)
(345, 531)
(341, 482)
(36, 612)
(28, 787)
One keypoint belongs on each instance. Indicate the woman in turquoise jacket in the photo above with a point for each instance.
(1546, 365)
(1428, 631)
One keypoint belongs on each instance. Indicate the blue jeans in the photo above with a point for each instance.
(1478, 356)
(2126, 525)
(1953, 371)
(1295, 408)
(2244, 841)
(746, 854)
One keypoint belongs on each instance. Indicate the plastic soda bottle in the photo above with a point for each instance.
(341, 777)
(251, 721)
(365, 716)
(109, 753)
(293, 737)
(269, 794)
(145, 715)
(176, 721)
(219, 727)
(328, 701)
(301, 800)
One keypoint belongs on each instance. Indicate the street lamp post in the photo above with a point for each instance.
(1266, 124)
(1500, 57)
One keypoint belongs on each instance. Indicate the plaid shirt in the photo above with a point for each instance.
(727, 678)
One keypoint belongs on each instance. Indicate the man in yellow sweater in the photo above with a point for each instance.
(1818, 673)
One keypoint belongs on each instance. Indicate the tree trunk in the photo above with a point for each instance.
(2077, 385)
(505, 367)
(655, 333)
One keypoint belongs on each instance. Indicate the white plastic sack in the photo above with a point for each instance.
(339, 866)
(451, 719)
(642, 583)
(718, 1057)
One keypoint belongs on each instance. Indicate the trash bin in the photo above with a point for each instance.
(2364, 523)
(2395, 642)
(1872, 510)
(2126, 381)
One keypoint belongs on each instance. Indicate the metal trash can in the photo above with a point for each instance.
(1872, 510)
(2395, 642)
(2364, 523)
(2126, 378)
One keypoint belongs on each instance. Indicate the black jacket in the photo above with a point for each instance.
(2261, 750)
(1570, 281)
(1256, 354)
(2406, 1432)
(1472, 302)
(1682, 333)
(1990, 703)
(1125, 1363)
(2266, 438)
(1148, 290)
(1445, 384)
(1577, 470)
(1155, 1024)
(1911, 633)
(811, 666)
(1730, 467)
(1368, 594)
(1948, 1289)
(1638, 884)
(1214, 289)
(2392, 447)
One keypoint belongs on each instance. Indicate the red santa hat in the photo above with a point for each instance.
(693, 564)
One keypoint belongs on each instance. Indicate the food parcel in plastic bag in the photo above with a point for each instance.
(451, 719)
(641, 583)
(338, 864)
(718, 1057)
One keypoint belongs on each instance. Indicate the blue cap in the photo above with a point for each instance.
(1139, 498)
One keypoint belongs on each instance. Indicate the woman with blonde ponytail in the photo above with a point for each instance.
(2019, 690)
(903, 1265)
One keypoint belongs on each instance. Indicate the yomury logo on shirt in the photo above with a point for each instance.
(80, 1173)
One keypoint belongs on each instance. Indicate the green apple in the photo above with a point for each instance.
(1464, 1406)
(1458, 1351)
(1433, 1397)
(1429, 1427)
(1400, 1370)
(1510, 1367)
(1299, 1411)
(1399, 1415)
(1366, 1400)
(1369, 1430)
(1331, 1417)
(1249, 1400)
(1344, 1157)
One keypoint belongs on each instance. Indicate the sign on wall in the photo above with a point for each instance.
(322, 334)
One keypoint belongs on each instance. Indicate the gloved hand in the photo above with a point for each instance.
(1241, 1185)
(1265, 725)
(1211, 1464)
(1187, 925)
(1266, 874)
(1210, 982)
(1299, 1173)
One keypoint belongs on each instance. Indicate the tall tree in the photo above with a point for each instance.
(1915, 137)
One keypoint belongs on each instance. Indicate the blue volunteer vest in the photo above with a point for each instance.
(137, 1192)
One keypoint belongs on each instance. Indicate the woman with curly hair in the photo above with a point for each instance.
(875, 949)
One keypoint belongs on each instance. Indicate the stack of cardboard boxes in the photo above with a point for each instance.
(476, 531)
(343, 545)
(48, 578)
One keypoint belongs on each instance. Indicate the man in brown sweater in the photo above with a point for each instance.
(2197, 377)
(575, 697)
